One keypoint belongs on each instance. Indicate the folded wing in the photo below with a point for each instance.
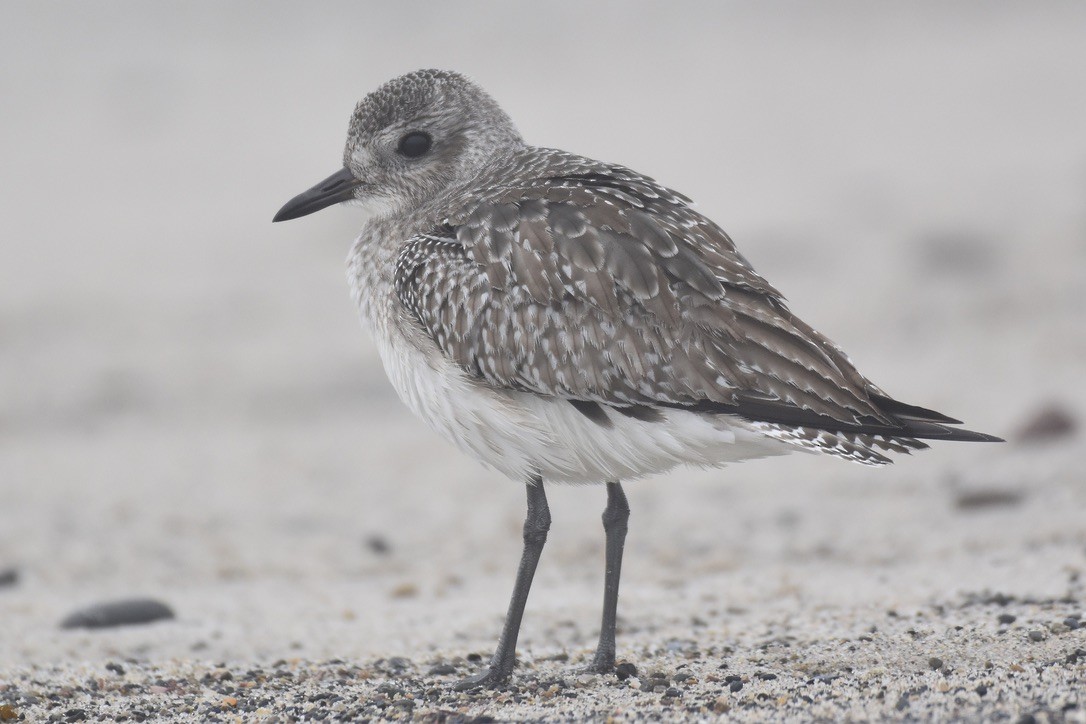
(594, 284)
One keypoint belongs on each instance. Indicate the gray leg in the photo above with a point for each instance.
(536, 524)
(615, 517)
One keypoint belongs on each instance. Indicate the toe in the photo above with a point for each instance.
(487, 679)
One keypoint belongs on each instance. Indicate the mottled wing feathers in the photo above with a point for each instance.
(591, 283)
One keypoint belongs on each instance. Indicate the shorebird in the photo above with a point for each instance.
(562, 319)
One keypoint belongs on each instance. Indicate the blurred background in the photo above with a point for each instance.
(190, 409)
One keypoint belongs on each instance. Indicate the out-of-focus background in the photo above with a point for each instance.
(190, 410)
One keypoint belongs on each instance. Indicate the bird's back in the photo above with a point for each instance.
(590, 286)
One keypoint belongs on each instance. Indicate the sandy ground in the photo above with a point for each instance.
(189, 412)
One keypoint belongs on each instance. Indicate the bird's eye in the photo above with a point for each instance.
(414, 144)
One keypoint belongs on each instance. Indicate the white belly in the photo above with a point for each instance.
(522, 434)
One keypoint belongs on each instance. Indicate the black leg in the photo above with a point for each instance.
(615, 517)
(536, 524)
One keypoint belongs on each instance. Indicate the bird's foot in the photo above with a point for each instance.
(600, 665)
(489, 678)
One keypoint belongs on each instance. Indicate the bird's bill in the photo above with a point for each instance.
(338, 187)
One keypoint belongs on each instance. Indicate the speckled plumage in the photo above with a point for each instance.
(564, 319)
(539, 272)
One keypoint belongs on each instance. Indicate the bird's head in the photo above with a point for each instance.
(409, 140)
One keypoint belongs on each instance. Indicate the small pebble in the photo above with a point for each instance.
(442, 670)
(1007, 618)
(8, 577)
(1072, 623)
(586, 680)
(625, 670)
(118, 613)
(1036, 635)
(935, 663)
(981, 689)
(977, 499)
(1049, 423)
(735, 685)
(378, 544)
(404, 590)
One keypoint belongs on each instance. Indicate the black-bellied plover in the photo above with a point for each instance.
(563, 319)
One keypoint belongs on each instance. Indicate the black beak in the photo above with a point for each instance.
(338, 187)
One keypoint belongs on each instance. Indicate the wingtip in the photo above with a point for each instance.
(914, 412)
(959, 435)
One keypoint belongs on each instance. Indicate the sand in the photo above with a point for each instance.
(189, 411)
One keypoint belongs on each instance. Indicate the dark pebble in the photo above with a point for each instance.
(1007, 618)
(118, 613)
(1027, 719)
(1049, 423)
(378, 544)
(735, 685)
(981, 689)
(8, 577)
(1072, 623)
(442, 670)
(766, 677)
(625, 670)
(822, 679)
(672, 693)
(1036, 636)
(398, 662)
(935, 663)
(115, 668)
(75, 715)
(978, 499)
(474, 657)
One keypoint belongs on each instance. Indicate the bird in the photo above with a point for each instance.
(566, 320)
